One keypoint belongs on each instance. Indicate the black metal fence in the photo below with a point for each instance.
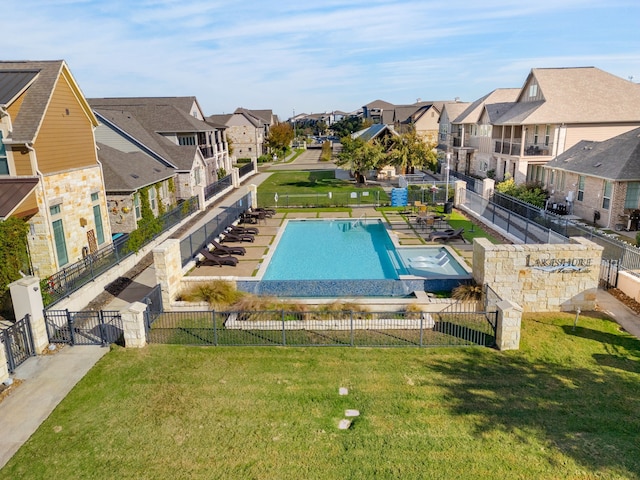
(473, 184)
(355, 198)
(192, 244)
(339, 328)
(76, 275)
(18, 343)
(245, 169)
(217, 187)
(84, 328)
(154, 305)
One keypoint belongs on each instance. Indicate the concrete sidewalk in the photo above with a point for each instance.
(46, 380)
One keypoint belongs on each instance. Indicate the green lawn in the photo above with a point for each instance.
(564, 406)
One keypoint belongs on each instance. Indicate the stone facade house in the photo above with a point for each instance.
(171, 130)
(599, 181)
(49, 170)
(128, 176)
(421, 117)
(450, 111)
(248, 130)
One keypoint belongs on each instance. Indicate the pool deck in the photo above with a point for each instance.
(403, 226)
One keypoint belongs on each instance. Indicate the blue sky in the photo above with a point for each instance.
(318, 56)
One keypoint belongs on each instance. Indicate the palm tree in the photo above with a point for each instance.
(408, 151)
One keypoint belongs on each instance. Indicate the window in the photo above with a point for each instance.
(55, 210)
(561, 181)
(4, 162)
(606, 195)
(533, 90)
(632, 200)
(97, 217)
(552, 178)
(186, 140)
(547, 132)
(580, 188)
(535, 135)
(152, 198)
(196, 174)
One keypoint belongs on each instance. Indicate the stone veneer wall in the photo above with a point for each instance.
(72, 190)
(511, 271)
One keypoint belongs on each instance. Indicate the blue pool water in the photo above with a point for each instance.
(334, 250)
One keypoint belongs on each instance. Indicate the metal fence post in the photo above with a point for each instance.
(215, 329)
(421, 328)
(352, 332)
(102, 330)
(72, 336)
(284, 337)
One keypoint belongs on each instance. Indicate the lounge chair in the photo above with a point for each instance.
(430, 258)
(240, 229)
(224, 250)
(237, 237)
(269, 212)
(446, 235)
(211, 259)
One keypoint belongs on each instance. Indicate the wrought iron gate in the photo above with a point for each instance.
(18, 343)
(84, 328)
(609, 273)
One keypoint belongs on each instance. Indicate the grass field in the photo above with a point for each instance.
(564, 406)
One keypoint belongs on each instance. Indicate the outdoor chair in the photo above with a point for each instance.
(237, 237)
(219, 249)
(217, 260)
(446, 235)
(240, 229)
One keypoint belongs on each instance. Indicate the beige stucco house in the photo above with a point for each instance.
(49, 170)
(553, 110)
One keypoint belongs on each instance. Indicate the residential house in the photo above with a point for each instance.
(470, 143)
(382, 133)
(248, 130)
(374, 112)
(450, 111)
(170, 129)
(555, 109)
(599, 181)
(127, 176)
(49, 169)
(421, 117)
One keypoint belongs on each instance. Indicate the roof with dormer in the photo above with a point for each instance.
(574, 96)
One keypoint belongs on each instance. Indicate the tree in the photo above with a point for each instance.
(280, 137)
(348, 125)
(361, 156)
(13, 251)
(408, 151)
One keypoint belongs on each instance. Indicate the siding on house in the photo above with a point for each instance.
(65, 140)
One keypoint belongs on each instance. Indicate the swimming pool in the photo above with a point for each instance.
(349, 258)
(333, 250)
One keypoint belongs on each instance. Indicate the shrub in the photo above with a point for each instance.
(467, 293)
(219, 294)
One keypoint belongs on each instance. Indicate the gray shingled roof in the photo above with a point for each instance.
(128, 172)
(36, 99)
(374, 131)
(576, 95)
(616, 159)
(145, 124)
(472, 113)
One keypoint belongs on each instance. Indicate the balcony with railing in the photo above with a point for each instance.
(537, 149)
(207, 151)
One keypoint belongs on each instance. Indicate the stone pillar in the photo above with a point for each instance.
(235, 177)
(135, 335)
(508, 325)
(27, 299)
(254, 160)
(488, 186)
(4, 369)
(201, 200)
(253, 192)
(168, 266)
(460, 192)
